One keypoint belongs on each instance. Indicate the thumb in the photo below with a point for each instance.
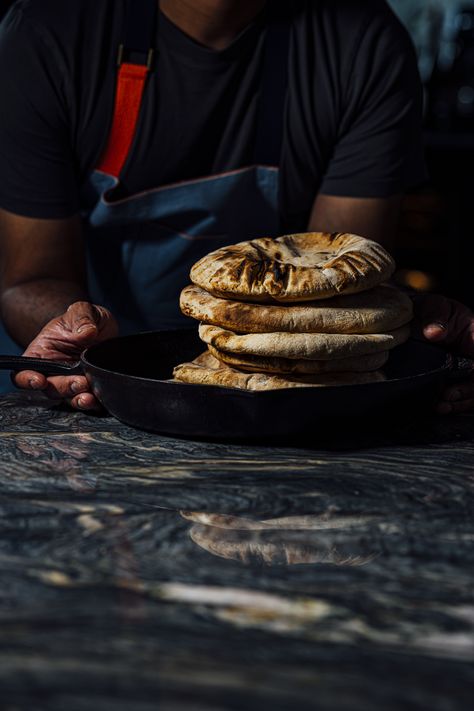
(81, 319)
(433, 313)
(435, 331)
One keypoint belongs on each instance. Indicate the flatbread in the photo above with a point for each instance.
(207, 370)
(299, 267)
(288, 366)
(305, 346)
(379, 310)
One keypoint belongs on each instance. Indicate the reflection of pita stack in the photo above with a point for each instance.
(293, 540)
(303, 310)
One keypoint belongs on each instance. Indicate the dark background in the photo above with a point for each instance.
(435, 246)
(437, 228)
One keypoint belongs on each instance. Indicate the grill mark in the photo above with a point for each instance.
(257, 272)
(281, 273)
(354, 266)
(260, 267)
(375, 264)
(238, 270)
(278, 271)
(292, 248)
(286, 277)
(365, 261)
(261, 252)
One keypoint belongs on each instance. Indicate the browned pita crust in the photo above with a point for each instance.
(299, 267)
(301, 346)
(260, 364)
(379, 310)
(206, 370)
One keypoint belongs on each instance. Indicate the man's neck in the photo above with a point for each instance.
(212, 23)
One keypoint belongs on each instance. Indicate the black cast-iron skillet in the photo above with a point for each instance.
(130, 376)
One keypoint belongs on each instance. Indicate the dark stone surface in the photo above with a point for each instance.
(141, 572)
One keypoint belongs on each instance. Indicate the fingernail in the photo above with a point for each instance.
(85, 327)
(35, 384)
(76, 387)
(444, 408)
(453, 395)
(435, 327)
(82, 402)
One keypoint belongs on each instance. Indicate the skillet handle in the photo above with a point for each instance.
(40, 365)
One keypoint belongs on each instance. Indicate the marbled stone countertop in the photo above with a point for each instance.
(142, 572)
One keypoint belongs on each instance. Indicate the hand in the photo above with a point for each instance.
(451, 324)
(65, 338)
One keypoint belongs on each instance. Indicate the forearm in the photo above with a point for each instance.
(27, 307)
(373, 218)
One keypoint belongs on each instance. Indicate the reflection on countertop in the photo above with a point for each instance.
(290, 540)
(142, 572)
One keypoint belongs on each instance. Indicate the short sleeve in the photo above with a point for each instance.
(37, 173)
(379, 150)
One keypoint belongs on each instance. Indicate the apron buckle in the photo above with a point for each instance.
(135, 57)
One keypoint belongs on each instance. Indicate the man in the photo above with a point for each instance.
(225, 119)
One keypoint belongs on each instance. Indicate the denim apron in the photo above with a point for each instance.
(141, 248)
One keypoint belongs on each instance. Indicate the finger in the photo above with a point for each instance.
(460, 391)
(445, 320)
(86, 402)
(90, 323)
(435, 319)
(61, 387)
(455, 408)
(435, 331)
(29, 380)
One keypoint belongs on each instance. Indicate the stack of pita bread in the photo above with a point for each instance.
(301, 310)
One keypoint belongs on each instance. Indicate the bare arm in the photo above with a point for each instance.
(44, 302)
(374, 218)
(42, 271)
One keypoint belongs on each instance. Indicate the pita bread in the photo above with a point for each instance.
(306, 346)
(207, 370)
(382, 309)
(299, 267)
(288, 366)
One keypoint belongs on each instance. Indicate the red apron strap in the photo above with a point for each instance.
(135, 61)
(128, 100)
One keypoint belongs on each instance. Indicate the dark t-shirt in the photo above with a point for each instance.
(353, 122)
